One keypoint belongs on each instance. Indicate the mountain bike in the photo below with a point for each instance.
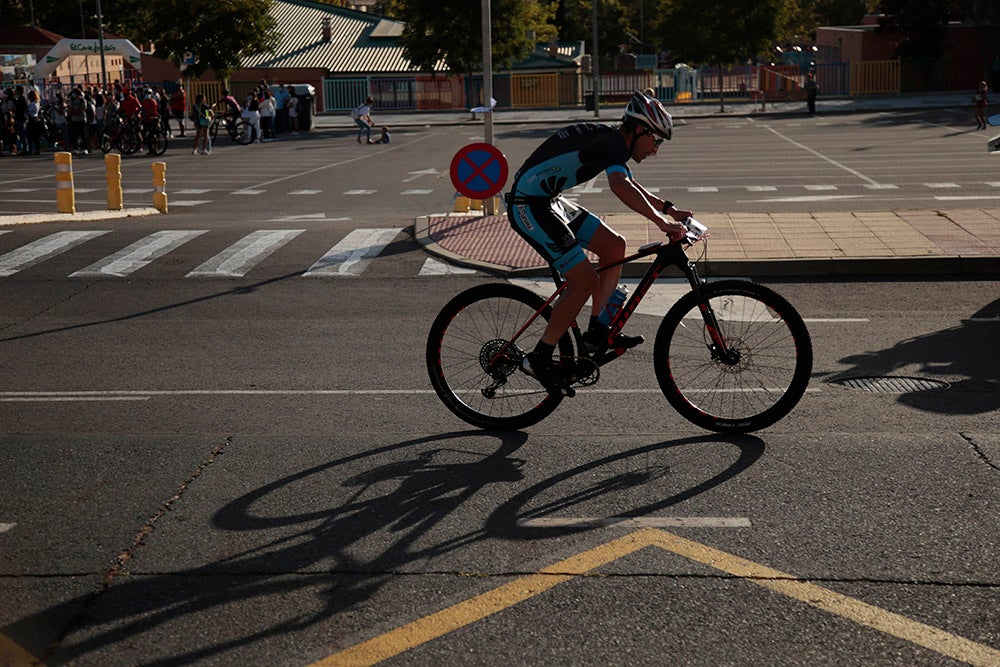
(730, 356)
(238, 129)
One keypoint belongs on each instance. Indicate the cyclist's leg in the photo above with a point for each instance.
(549, 233)
(609, 246)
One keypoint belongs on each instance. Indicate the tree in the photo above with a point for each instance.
(725, 32)
(615, 29)
(451, 31)
(218, 34)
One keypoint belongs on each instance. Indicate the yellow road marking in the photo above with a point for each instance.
(13, 655)
(430, 627)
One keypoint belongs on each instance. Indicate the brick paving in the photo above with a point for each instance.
(963, 240)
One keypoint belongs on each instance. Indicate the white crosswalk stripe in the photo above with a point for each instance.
(237, 259)
(139, 254)
(348, 258)
(42, 249)
(353, 254)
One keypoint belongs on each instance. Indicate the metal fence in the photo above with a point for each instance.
(552, 89)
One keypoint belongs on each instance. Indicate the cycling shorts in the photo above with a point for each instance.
(556, 228)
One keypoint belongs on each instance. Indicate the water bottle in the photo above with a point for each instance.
(613, 305)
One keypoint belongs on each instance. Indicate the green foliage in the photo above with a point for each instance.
(218, 33)
(723, 32)
(451, 31)
(617, 23)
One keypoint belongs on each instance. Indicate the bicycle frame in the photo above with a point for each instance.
(667, 255)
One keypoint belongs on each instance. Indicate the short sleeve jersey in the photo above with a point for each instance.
(571, 156)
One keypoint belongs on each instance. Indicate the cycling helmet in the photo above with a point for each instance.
(650, 113)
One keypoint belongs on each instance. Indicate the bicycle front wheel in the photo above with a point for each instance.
(475, 369)
(760, 375)
(158, 142)
(241, 133)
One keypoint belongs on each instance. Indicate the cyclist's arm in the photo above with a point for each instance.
(637, 199)
(674, 212)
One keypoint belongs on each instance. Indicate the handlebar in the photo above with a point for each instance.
(695, 230)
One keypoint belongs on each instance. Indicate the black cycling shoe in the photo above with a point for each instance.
(543, 369)
(597, 341)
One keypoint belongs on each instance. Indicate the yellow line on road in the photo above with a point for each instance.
(440, 623)
(13, 655)
(860, 612)
(431, 627)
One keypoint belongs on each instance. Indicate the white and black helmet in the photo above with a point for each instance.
(650, 113)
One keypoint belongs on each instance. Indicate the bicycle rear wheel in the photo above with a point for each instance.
(158, 142)
(759, 381)
(474, 369)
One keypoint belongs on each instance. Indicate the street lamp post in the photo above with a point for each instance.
(100, 44)
(595, 68)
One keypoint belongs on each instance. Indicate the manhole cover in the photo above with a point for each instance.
(890, 385)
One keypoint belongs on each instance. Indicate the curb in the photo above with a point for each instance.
(836, 267)
(36, 218)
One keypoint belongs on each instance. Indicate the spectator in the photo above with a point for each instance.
(812, 90)
(59, 119)
(981, 101)
(92, 135)
(267, 113)
(150, 118)
(178, 106)
(385, 138)
(21, 119)
(251, 112)
(77, 114)
(35, 124)
(201, 114)
(281, 106)
(293, 111)
(363, 117)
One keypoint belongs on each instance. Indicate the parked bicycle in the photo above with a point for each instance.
(730, 356)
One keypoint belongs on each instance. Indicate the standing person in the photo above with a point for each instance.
(812, 90)
(267, 113)
(178, 105)
(981, 101)
(363, 117)
(21, 120)
(201, 113)
(35, 124)
(59, 119)
(559, 230)
(93, 139)
(293, 111)
(281, 106)
(251, 112)
(77, 113)
(150, 118)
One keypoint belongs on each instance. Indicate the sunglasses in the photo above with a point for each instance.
(657, 141)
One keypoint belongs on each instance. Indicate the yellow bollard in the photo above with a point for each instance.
(65, 196)
(160, 186)
(461, 205)
(113, 168)
(476, 205)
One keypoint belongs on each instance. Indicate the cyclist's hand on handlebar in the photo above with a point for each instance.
(675, 232)
(681, 216)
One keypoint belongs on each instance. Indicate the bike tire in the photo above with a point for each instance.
(462, 340)
(129, 141)
(158, 143)
(242, 133)
(213, 130)
(107, 142)
(748, 393)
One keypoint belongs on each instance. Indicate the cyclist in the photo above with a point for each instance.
(231, 108)
(559, 229)
(150, 118)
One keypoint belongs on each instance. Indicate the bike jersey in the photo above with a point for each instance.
(571, 156)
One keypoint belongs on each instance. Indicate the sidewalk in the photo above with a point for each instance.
(909, 242)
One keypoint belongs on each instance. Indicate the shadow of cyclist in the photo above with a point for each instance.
(964, 356)
(385, 518)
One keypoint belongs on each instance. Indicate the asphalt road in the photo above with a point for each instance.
(224, 461)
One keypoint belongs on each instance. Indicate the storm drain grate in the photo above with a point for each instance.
(890, 385)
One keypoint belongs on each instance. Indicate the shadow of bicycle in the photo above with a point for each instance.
(371, 516)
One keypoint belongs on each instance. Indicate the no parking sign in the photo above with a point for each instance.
(479, 171)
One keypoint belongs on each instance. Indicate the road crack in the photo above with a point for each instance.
(980, 452)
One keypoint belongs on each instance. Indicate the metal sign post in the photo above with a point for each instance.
(488, 206)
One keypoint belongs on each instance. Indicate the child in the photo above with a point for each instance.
(385, 138)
